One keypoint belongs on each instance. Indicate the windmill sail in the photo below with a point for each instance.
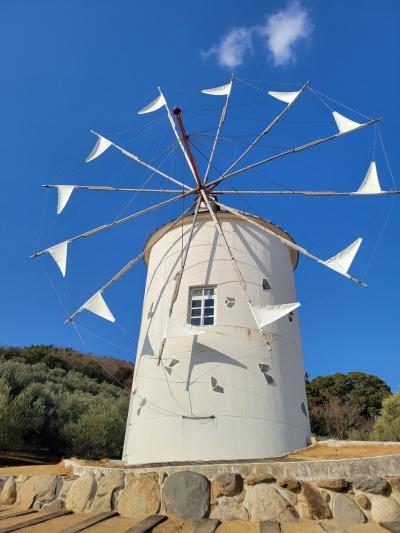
(287, 97)
(344, 124)
(101, 146)
(270, 313)
(153, 106)
(98, 306)
(59, 253)
(63, 194)
(341, 262)
(223, 90)
(370, 185)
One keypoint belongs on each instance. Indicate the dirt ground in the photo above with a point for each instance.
(316, 453)
(119, 524)
(322, 451)
(34, 470)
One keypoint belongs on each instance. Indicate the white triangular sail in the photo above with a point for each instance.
(270, 313)
(98, 306)
(153, 106)
(344, 124)
(370, 185)
(222, 90)
(181, 329)
(287, 97)
(101, 146)
(341, 262)
(63, 194)
(59, 253)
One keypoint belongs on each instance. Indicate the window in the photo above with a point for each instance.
(265, 284)
(202, 306)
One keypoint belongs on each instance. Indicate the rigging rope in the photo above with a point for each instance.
(316, 93)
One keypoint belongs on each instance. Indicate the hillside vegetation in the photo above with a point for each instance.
(63, 401)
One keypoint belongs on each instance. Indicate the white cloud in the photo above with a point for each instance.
(232, 48)
(281, 32)
(284, 29)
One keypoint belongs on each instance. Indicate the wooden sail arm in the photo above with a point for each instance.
(147, 165)
(119, 221)
(118, 189)
(180, 275)
(265, 131)
(297, 149)
(284, 240)
(221, 121)
(312, 193)
(222, 234)
(133, 262)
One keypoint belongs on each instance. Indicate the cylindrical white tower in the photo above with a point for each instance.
(231, 392)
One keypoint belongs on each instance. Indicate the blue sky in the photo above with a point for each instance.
(69, 66)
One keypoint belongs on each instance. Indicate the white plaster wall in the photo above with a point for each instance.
(253, 419)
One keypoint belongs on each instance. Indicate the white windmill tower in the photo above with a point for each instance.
(219, 370)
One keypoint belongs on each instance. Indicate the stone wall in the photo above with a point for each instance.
(190, 495)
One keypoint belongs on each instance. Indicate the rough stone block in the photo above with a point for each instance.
(108, 484)
(227, 485)
(186, 495)
(40, 487)
(264, 502)
(229, 508)
(363, 501)
(372, 485)
(81, 493)
(288, 483)
(384, 509)
(393, 527)
(337, 485)
(8, 494)
(140, 498)
(255, 479)
(315, 505)
(345, 509)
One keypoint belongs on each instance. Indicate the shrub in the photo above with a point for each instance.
(387, 427)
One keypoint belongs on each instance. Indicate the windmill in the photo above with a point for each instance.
(219, 373)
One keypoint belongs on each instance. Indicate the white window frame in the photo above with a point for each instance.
(202, 297)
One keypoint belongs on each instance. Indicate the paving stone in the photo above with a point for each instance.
(267, 526)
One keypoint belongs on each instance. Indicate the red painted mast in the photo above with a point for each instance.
(185, 138)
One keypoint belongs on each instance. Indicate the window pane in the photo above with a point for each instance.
(208, 311)
(196, 312)
(208, 292)
(208, 303)
(196, 292)
(196, 303)
(195, 321)
(208, 320)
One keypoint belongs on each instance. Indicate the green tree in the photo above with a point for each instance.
(7, 432)
(362, 393)
(100, 431)
(387, 427)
